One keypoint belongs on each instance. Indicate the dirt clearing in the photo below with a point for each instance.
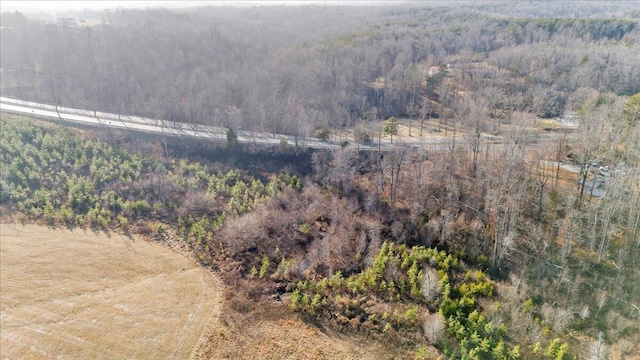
(77, 294)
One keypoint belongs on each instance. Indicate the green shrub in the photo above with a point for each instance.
(557, 350)
(232, 137)
(305, 229)
(323, 133)
(264, 266)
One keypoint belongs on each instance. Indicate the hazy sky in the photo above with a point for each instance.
(95, 5)
(61, 6)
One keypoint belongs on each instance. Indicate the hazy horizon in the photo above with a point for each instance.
(53, 7)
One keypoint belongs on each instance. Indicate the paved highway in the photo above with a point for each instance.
(178, 129)
(153, 126)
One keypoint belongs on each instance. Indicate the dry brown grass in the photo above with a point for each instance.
(80, 295)
(275, 333)
(91, 296)
(567, 176)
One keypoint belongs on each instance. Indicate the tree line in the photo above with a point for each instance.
(243, 68)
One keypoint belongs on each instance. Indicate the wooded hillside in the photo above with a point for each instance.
(516, 235)
(282, 69)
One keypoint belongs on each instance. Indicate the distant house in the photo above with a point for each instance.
(432, 71)
(478, 70)
(570, 118)
(67, 21)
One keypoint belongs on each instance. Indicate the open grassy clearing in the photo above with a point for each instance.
(273, 332)
(77, 294)
(435, 130)
(84, 295)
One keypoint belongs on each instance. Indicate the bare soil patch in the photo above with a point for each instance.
(79, 294)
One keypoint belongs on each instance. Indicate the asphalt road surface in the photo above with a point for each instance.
(155, 126)
(178, 129)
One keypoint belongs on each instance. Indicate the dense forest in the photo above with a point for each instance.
(281, 69)
(524, 247)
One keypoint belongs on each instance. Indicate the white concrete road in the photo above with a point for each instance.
(154, 126)
(177, 129)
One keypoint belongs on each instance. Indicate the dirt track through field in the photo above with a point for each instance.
(80, 295)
